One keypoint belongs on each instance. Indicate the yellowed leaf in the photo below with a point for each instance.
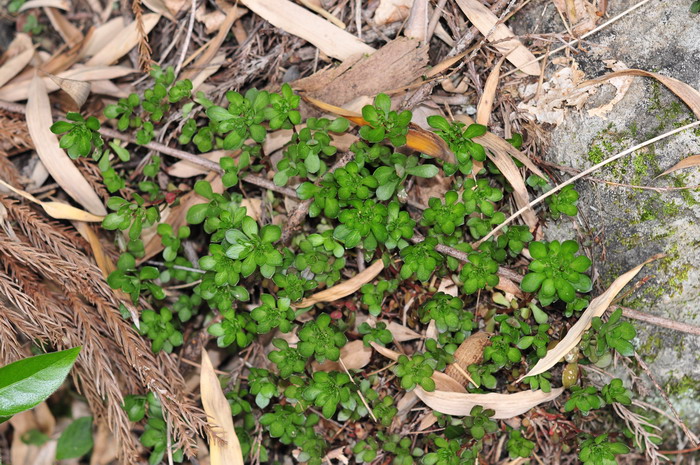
(77, 90)
(688, 162)
(224, 448)
(483, 110)
(505, 405)
(595, 309)
(688, 94)
(14, 65)
(500, 35)
(55, 160)
(58, 210)
(122, 44)
(298, 21)
(103, 261)
(345, 288)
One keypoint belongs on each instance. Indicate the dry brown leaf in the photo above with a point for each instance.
(105, 448)
(57, 210)
(688, 162)
(77, 90)
(397, 64)
(417, 23)
(469, 352)
(70, 34)
(224, 448)
(103, 35)
(488, 24)
(582, 15)
(253, 208)
(55, 160)
(14, 65)
(622, 85)
(505, 405)
(159, 6)
(214, 20)
(208, 71)
(28, 454)
(595, 309)
(483, 110)
(444, 382)
(500, 154)
(688, 94)
(355, 355)
(390, 11)
(298, 21)
(14, 92)
(122, 43)
(104, 263)
(60, 4)
(345, 288)
(211, 48)
(401, 333)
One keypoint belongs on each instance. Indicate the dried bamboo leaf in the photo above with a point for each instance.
(70, 34)
(52, 156)
(103, 35)
(402, 333)
(224, 448)
(688, 94)
(355, 355)
(187, 169)
(345, 288)
(122, 44)
(388, 353)
(14, 65)
(596, 308)
(103, 261)
(296, 20)
(17, 91)
(444, 382)
(60, 4)
(159, 6)
(77, 90)
(483, 110)
(505, 405)
(688, 162)
(490, 26)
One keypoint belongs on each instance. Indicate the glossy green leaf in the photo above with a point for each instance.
(28, 382)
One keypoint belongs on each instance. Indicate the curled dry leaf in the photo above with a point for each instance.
(450, 396)
(60, 4)
(483, 110)
(469, 352)
(298, 21)
(355, 355)
(622, 85)
(688, 162)
(582, 15)
(595, 309)
(122, 43)
(17, 91)
(62, 169)
(490, 26)
(345, 288)
(57, 210)
(688, 94)
(505, 405)
(77, 90)
(224, 448)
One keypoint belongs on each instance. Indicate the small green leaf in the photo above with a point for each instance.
(423, 171)
(28, 382)
(76, 440)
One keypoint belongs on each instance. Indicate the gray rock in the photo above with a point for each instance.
(625, 226)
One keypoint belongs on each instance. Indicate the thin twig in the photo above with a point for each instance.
(188, 37)
(585, 173)
(658, 320)
(359, 392)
